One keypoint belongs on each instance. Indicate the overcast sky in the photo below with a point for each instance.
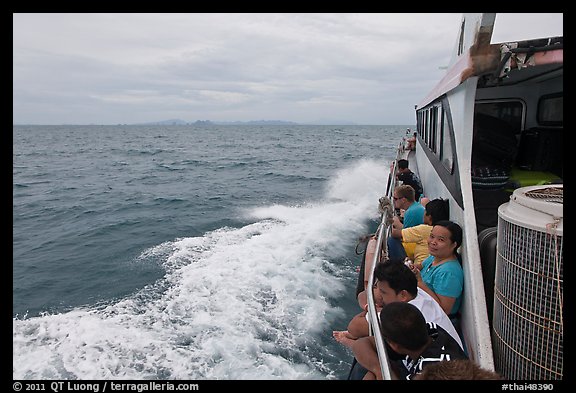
(306, 68)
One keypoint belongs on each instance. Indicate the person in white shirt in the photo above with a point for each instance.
(395, 282)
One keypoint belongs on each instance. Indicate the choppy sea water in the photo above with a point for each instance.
(186, 252)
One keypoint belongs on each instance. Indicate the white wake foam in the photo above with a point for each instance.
(236, 303)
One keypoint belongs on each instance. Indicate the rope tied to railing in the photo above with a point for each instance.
(363, 240)
(385, 206)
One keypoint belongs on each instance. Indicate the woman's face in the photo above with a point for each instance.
(439, 242)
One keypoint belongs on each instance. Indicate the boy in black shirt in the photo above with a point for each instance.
(406, 333)
(408, 177)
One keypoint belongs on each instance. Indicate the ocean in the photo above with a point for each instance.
(190, 252)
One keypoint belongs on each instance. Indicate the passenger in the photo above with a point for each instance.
(406, 176)
(436, 210)
(442, 275)
(395, 282)
(403, 197)
(406, 334)
(424, 201)
(460, 369)
(411, 142)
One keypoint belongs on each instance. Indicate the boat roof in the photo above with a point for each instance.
(475, 54)
(511, 27)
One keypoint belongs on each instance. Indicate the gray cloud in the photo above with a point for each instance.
(131, 68)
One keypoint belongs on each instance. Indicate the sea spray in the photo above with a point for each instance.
(253, 302)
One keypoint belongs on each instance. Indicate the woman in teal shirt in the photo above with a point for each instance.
(442, 276)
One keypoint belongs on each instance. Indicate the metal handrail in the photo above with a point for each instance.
(372, 314)
(381, 249)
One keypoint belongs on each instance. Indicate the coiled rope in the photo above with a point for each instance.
(385, 206)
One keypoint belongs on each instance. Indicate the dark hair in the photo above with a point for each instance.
(461, 369)
(404, 324)
(455, 234)
(398, 276)
(454, 229)
(402, 164)
(438, 209)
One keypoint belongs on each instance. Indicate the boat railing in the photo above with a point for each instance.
(373, 319)
(387, 212)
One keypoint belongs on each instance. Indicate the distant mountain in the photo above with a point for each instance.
(173, 122)
(203, 123)
(257, 122)
(169, 122)
(333, 122)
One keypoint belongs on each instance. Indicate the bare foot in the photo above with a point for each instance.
(344, 337)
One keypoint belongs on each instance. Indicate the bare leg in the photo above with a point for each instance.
(369, 376)
(344, 337)
(362, 298)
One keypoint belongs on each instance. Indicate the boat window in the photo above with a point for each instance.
(446, 154)
(438, 136)
(434, 129)
(461, 38)
(509, 111)
(551, 110)
(424, 126)
(433, 119)
(428, 125)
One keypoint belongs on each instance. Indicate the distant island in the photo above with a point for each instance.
(180, 122)
(176, 122)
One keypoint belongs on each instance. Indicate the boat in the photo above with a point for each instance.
(489, 140)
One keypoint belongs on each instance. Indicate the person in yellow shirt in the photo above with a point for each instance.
(435, 210)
